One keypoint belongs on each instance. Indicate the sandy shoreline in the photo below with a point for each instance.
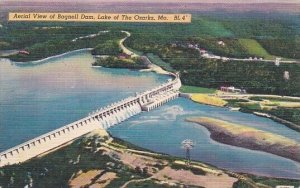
(250, 138)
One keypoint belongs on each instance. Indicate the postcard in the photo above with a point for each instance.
(160, 93)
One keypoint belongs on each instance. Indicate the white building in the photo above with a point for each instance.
(221, 43)
(277, 61)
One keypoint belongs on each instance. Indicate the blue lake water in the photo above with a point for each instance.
(35, 99)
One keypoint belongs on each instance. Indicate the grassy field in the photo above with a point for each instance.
(211, 27)
(206, 99)
(195, 89)
(253, 47)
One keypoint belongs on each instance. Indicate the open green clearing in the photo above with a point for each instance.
(211, 27)
(253, 47)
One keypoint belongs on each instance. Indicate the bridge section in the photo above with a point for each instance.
(101, 118)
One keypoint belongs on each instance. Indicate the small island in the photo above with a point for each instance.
(248, 137)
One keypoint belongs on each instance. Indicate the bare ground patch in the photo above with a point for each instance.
(188, 178)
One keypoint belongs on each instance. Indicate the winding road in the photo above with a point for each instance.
(126, 50)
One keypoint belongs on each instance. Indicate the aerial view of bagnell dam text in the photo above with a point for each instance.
(150, 93)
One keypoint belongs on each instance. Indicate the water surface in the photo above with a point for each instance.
(35, 99)
(164, 128)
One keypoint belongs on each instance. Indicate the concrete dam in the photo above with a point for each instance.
(102, 118)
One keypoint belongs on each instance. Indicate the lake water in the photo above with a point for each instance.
(35, 99)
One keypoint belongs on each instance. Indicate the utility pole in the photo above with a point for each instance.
(187, 144)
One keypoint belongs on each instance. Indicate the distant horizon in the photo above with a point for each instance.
(165, 1)
(151, 6)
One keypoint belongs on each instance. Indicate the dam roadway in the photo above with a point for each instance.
(103, 118)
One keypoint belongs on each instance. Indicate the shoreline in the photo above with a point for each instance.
(106, 155)
(284, 122)
(249, 138)
(147, 152)
(171, 156)
(156, 69)
(152, 67)
(140, 150)
(51, 57)
(45, 60)
(281, 121)
(79, 50)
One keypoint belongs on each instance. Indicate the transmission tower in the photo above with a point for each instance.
(187, 144)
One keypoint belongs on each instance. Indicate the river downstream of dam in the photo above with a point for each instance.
(35, 99)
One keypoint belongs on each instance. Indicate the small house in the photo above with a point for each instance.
(221, 43)
(232, 89)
